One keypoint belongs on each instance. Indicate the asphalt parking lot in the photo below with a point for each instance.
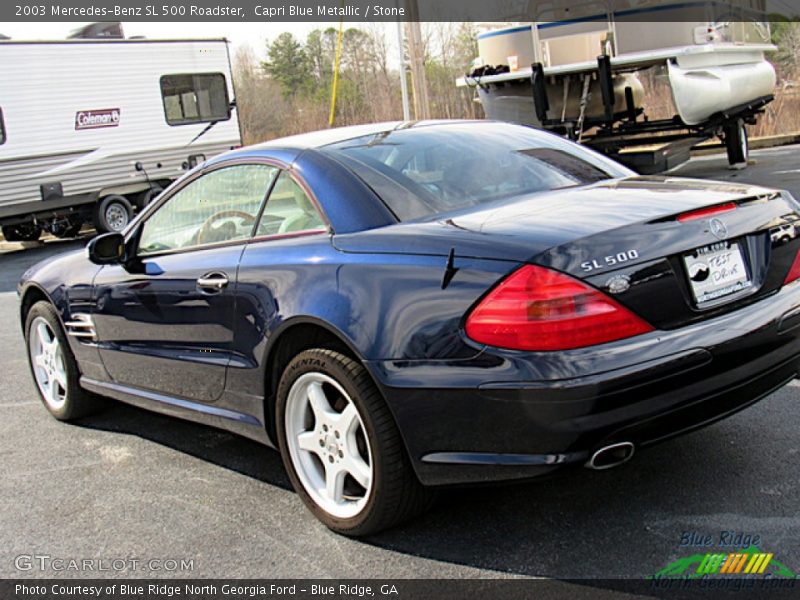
(127, 483)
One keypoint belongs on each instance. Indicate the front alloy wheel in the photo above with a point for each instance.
(341, 447)
(54, 369)
(47, 362)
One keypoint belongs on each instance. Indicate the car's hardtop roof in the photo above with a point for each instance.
(317, 139)
(288, 148)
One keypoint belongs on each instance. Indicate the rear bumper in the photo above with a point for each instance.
(487, 419)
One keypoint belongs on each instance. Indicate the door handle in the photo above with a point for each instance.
(213, 282)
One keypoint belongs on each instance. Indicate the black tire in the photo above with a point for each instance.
(736, 143)
(70, 230)
(77, 402)
(24, 232)
(112, 213)
(146, 197)
(396, 494)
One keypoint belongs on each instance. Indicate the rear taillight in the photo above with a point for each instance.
(794, 271)
(538, 309)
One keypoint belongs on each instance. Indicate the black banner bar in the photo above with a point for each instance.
(399, 589)
(555, 11)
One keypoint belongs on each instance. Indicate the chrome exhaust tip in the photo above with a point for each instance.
(611, 456)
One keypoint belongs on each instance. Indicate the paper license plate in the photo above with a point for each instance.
(716, 271)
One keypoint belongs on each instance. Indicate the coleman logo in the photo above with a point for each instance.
(94, 119)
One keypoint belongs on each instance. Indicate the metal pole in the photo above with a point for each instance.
(422, 107)
(336, 74)
(403, 81)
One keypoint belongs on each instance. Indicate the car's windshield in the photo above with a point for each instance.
(434, 169)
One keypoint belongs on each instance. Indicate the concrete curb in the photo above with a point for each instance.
(6, 247)
(17, 246)
(769, 141)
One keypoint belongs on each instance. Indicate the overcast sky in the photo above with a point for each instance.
(252, 33)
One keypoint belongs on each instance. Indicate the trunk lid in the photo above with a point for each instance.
(634, 247)
(624, 237)
(563, 217)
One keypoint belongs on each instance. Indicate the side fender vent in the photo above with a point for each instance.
(81, 326)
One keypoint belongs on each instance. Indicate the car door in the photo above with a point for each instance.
(165, 319)
(276, 273)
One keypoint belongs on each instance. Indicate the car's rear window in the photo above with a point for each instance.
(429, 170)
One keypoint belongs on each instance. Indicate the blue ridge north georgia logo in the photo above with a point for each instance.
(734, 555)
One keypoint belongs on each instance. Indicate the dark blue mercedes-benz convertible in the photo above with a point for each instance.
(403, 306)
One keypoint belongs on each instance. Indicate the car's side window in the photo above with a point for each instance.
(220, 206)
(289, 210)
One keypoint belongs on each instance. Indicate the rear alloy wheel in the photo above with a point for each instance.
(341, 448)
(53, 366)
(24, 232)
(112, 213)
(329, 450)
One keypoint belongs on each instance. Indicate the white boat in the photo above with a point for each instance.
(581, 74)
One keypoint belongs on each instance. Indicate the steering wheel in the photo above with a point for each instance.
(207, 231)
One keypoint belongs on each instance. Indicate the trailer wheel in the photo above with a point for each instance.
(23, 232)
(736, 143)
(112, 213)
(68, 230)
(146, 197)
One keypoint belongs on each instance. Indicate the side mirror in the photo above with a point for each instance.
(107, 249)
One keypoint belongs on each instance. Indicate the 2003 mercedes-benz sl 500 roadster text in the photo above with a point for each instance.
(404, 306)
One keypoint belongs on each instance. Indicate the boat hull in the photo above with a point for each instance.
(700, 92)
(513, 101)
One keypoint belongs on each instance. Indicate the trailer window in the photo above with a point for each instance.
(2, 128)
(195, 98)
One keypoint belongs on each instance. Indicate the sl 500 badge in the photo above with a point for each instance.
(609, 261)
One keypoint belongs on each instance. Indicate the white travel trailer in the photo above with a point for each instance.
(91, 130)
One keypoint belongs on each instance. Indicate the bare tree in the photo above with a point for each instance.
(788, 55)
(259, 101)
(369, 86)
